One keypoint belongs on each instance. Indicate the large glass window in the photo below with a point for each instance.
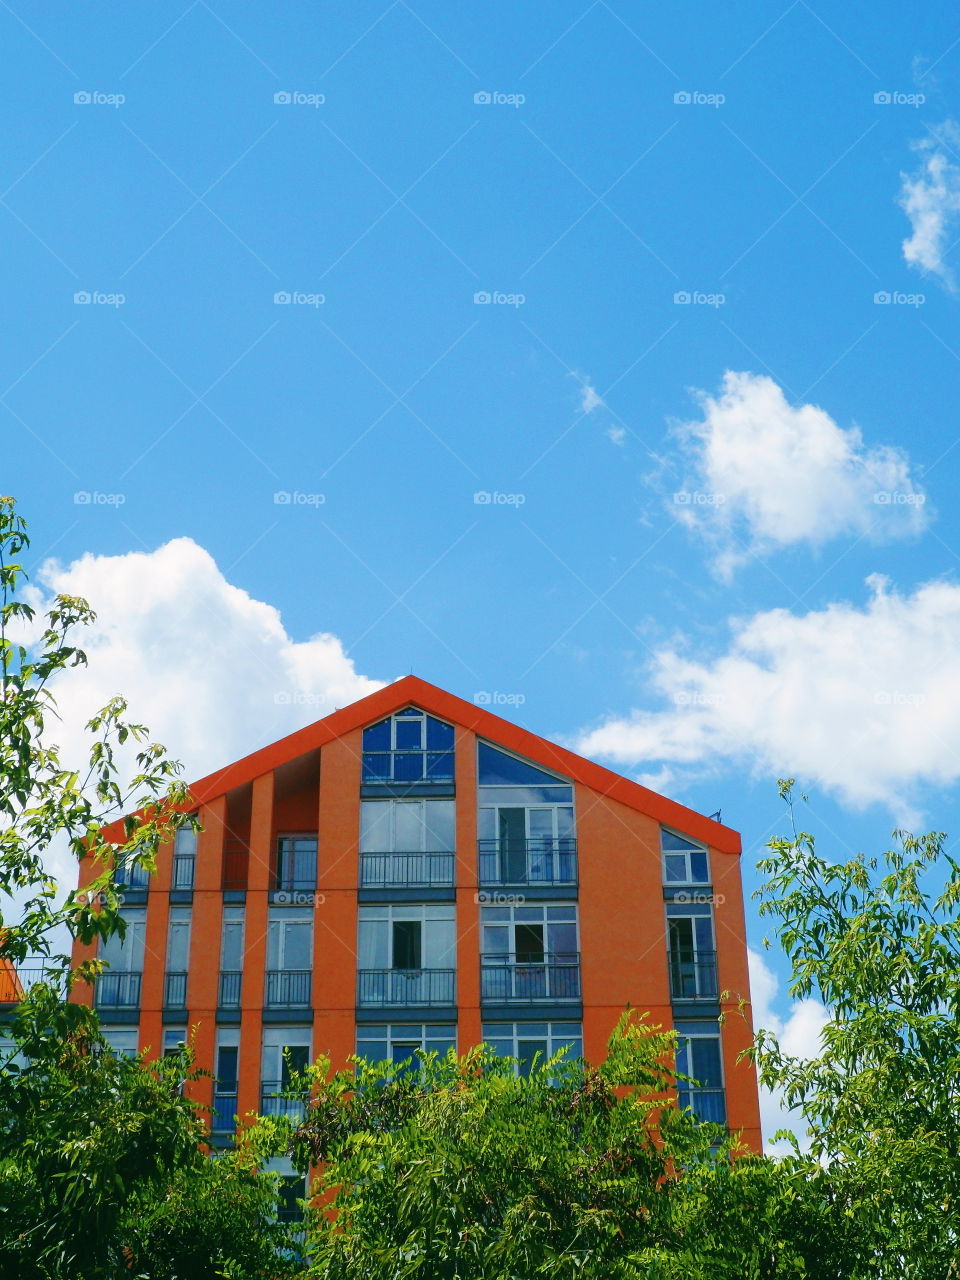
(397, 1042)
(231, 957)
(289, 958)
(184, 858)
(410, 747)
(225, 1086)
(122, 1040)
(525, 822)
(407, 954)
(286, 1051)
(530, 1041)
(683, 861)
(178, 957)
(692, 951)
(530, 952)
(407, 842)
(119, 985)
(297, 861)
(699, 1057)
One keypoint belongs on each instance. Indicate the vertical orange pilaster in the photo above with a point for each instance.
(155, 952)
(205, 921)
(256, 917)
(468, 909)
(82, 992)
(335, 916)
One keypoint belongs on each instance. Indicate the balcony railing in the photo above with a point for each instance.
(510, 978)
(15, 985)
(224, 1112)
(175, 990)
(118, 990)
(693, 975)
(288, 988)
(273, 1103)
(706, 1104)
(134, 877)
(231, 981)
(406, 987)
(236, 859)
(403, 767)
(296, 872)
(183, 868)
(406, 870)
(536, 861)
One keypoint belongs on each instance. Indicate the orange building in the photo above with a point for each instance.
(414, 871)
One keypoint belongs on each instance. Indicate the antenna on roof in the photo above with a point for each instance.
(716, 816)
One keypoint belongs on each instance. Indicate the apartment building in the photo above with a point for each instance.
(414, 871)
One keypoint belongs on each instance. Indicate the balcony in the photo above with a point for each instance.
(118, 990)
(175, 991)
(706, 1104)
(399, 987)
(224, 1112)
(407, 768)
(693, 975)
(530, 863)
(15, 985)
(288, 989)
(183, 868)
(231, 981)
(296, 869)
(406, 870)
(508, 979)
(273, 1102)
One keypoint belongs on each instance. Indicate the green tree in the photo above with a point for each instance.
(878, 941)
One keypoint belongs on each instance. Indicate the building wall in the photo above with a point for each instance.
(621, 907)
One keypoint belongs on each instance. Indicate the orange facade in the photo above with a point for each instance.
(414, 870)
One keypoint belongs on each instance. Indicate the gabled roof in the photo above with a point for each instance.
(446, 706)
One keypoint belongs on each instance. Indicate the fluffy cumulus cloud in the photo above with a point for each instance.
(930, 197)
(863, 700)
(768, 474)
(797, 1028)
(211, 671)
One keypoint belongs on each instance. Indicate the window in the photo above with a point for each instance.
(178, 958)
(692, 953)
(184, 858)
(407, 954)
(286, 1050)
(410, 747)
(173, 1040)
(699, 1057)
(526, 823)
(297, 862)
(122, 1041)
(225, 1085)
(231, 957)
(397, 1042)
(407, 842)
(119, 985)
(289, 958)
(530, 953)
(683, 861)
(526, 1040)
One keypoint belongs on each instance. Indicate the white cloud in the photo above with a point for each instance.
(930, 197)
(616, 435)
(590, 398)
(864, 701)
(798, 1031)
(769, 475)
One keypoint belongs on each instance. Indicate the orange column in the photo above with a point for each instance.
(468, 909)
(255, 945)
(82, 993)
(335, 915)
(205, 920)
(155, 951)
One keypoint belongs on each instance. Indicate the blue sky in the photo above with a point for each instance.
(652, 198)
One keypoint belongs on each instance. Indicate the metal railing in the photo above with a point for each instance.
(706, 1104)
(296, 870)
(175, 990)
(224, 1118)
(406, 987)
(693, 974)
(534, 861)
(14, 985)
(118, 990)
(288, 988)
(184, 865)
(231, 981)
(273, 1103)
(509, 978)
(406, 870)
(407, 766)
(134, 877)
